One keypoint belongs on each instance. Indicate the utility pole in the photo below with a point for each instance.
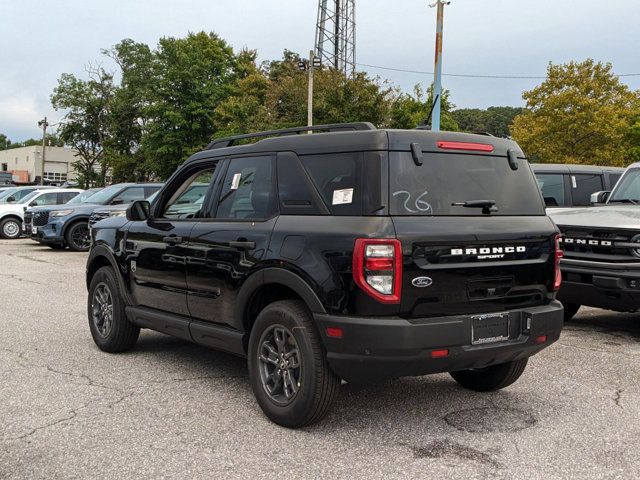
(39, 170)
(310, 92)
(437, 75)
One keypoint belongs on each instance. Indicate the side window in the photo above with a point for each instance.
(613, 179)
(338, 179)
(45, 199)
(552, 186)
(64, 197)
(187, 200)
(583, 185)
(148, 191)
(129, 195)
(20, 194)
(247, 191)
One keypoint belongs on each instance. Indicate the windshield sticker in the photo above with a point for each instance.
(341, 197)
(235, 183)
(420, 205)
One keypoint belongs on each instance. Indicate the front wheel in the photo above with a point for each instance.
(77, 237)
(288, 369)
(110, 329)
(10, 228)
(491, 378)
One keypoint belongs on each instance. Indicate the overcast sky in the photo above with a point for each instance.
(40, 39)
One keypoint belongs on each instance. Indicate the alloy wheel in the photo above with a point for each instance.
(102, 309)
(80, 236)
(11, 229)
(280, 364)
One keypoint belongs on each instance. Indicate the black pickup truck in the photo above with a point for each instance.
(352, 253)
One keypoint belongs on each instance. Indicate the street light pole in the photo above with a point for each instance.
(40, 165)
(437, 75)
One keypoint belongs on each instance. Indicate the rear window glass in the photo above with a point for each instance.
(338, 179)
(445, 178)
(583, 185)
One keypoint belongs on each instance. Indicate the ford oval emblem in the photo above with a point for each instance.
(421, 282)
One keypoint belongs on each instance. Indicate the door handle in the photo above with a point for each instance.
(172, 240)
(243, 245)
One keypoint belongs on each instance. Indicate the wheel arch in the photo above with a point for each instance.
(101, 256)
(267, 286)
(72, 221)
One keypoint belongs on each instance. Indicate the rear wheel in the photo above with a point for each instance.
(491, 378)
(110, 329)
(10, 228)
(570, 310)
(77, 237)
(288, 369)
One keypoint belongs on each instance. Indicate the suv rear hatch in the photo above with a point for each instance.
(474, 233)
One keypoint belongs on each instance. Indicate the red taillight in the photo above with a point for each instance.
(540, 339)
(478, 147)
(377, 268)
(557, 281)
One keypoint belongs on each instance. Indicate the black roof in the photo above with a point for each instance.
(349, 139)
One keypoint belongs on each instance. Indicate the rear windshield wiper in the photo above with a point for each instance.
(487, 206)
(624, 200)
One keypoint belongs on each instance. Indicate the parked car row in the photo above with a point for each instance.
(59, 217)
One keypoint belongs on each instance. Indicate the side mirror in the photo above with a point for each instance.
(139, 210)
(599, 197)
(117, 201)
(34, 203)
(11, 199)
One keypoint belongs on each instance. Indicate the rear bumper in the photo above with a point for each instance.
(611, 288)
(379, 348)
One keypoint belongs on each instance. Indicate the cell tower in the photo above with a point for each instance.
(336, 35)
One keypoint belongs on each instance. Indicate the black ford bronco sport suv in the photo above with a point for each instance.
(352, 253)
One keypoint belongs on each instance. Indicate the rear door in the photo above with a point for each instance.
(157, 246)
(583, 185)
(225, 247)
(457, 259)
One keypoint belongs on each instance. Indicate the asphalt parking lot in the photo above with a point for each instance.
(172, 409)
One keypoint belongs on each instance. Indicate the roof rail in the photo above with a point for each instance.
(333, 127)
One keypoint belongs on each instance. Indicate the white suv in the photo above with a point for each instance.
(12, 214)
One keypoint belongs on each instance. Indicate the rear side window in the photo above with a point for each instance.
(552, 187)
(445, 178)
(583, 185)
(64, 197)
(338, 179)
(247, 192)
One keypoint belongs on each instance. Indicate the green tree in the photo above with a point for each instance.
(189, 78)
(52, 140)
(85, 124)
(4, 142)
(410, 110)
(494, 120)
(580, 114)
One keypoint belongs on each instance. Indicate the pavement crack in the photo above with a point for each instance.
(617, 396)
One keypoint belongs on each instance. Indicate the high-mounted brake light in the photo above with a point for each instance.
(557, 281)
(478, 147)
(377, 268)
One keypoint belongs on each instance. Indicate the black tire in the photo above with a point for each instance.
(491, 378)
(317, 385)
(118, 334)
(10, 228)
(77, 236)
(570, 310)
(55, 246)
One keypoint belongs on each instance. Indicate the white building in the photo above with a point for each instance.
(22, 163)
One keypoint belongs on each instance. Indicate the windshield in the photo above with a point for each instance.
(628, 187)
(29, 197)
(7, 193)
(105, 194)
(85, 196)
(458, 184)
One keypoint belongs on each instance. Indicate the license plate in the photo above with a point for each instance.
(34, 230)
(490, 328)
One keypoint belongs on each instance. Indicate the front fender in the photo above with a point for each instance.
(102, 254)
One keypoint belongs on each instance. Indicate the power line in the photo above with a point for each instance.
(469, 75)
